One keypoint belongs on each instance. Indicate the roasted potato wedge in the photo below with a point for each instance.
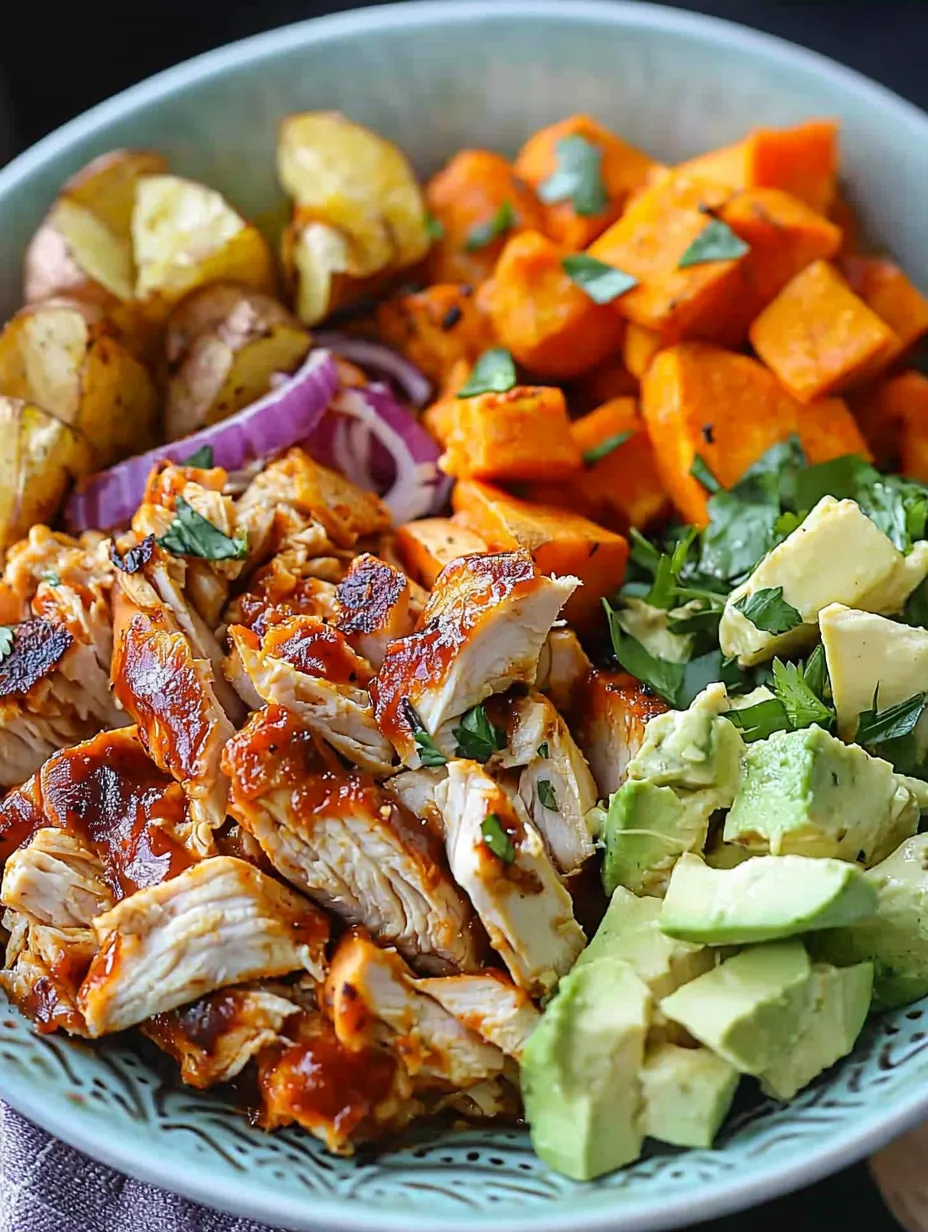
(66, 357)
(223, 344)
(185, 236)
(40, 457)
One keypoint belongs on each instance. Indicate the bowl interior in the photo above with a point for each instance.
(436, 78)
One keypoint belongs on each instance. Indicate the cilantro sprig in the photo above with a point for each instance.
(768, 611)
(877, 726)
(478, 738)
(577, 178)
(496, 839)
(190, 534)
(429, 752)
(493, 373)
(484, 233)
(600, 282)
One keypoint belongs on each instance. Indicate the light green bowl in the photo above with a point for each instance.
(435, 78)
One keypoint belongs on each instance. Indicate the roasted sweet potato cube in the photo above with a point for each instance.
(623, 169)
(698, 399)
(827, 430)
(610, 379)
(548, 323)
(818, 336)
(478, 201)
(560, 542)
(620, 480)
(426, 546)
(891, 409)
(648, 241)
(436, 327)
(439, 417)
(521, 434)
(639, 348)
(883, 286)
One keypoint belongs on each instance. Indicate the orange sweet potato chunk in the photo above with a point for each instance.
(610, 379)
(426, 546)
(818, 336)
(560, 542)
(639, 348)
(467, 195)
(910, 390)
(827, 430)
(436, 327)
(521, 434)
(893, 408)
(727, 408)
(622, 488)
(883, 286)
(648, 242)
(547, 322)
(439, 417)
(623, 169)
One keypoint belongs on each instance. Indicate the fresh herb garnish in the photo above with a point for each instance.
(915, 612)
(433, 227)
(201, 458)
(190, 534)
(761, 720)
(547, 796)
(478, 738)
(802, 704)
(816, 673)
(496, 838)
(596, 453)
(768, 611)
(429, 752)
(664, 591)
(578, 177)
(661, 675)
(485, 233)
(542, 750)
(493, 373)
(876, 726)
(7, 633)
(898, 506)
(51, 577)
(716, 242)
(600, 282)
(700, 471)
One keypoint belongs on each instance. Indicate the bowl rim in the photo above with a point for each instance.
(718, 1197)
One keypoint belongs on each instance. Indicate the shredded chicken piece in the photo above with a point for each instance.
(218, 923)
(562, 668)
(307, 666)
(45, 556)
(415, 790)
(515, 889)
(275, 591)
(373, 606)
(56, 878)
(482, 630)
(497, 1099)
(489, 1004)
(609, 716)
(348, 843)
(44, 969)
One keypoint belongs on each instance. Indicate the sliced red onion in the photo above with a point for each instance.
(287, 415)
(378, 444)
(379, 360)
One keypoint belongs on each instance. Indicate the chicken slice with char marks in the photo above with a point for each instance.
(482, 630)
(371, 996)
(213, 1039)
(608, 720)
(56, 878)
(20, 816)
(44, 969)
(170, 695)
(515, 889)
(220, 922)
(275, 591)
(308, 667)
(489, 1004)
(348, 843)
(373, 606)
(555, 783)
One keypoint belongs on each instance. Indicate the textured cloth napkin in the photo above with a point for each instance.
(46, 1186)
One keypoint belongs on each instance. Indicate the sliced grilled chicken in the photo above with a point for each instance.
(213, 1039)
(170, 696)
(348, 843)
(20, 816)
(482, 630)
(56, 878)
(44, 970)
(45, 556)
(555, 785)
(499, 858)
(562, 668)
(275, 591)
(340, 1096)
(371, 996)
(609, 716)
(497, 1099)
(415, 790)
(218, 923)
(489, 1004)
(374, 606)
(307, 666)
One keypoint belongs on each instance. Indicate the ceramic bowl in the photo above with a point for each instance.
(437, 77)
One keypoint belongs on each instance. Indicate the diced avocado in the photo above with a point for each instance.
(647, 829)
(693, 750)
(764, 899)
(648, 625)
(630, 931)
(837, 555)
(687, 1094)
(889, 596)
(726, 855)
(749, 1009)
(895, 939)
(807, 793)
(579, 1071)
(830, 1026)
(865, 652)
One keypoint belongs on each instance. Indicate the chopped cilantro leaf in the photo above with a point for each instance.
(542, 750)
(761, 720)
(546, 795)
(484, 233)
(201, 458)
(700, 471)
(716, 242)
(767, 610)
(496, 838)
(803, 707)
(600, 282)
(577, 178)
(596, 453)
(662, 676)
(190, 534)
(493, 373)
(876, 726)
(429, 752)
(478, 738)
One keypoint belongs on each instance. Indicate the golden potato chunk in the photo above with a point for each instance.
(40, 457)
(66, 358)
(185, 236)
(223, 344)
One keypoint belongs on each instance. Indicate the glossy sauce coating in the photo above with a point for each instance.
(317, 649)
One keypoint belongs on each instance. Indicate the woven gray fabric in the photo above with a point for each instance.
(46, 1186)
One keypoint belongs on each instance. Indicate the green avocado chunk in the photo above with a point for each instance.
(579, 1071)
(687, 1094)
(895, 939)
(646, 831)
(807, 793)
(828, 1031)
(765, 899)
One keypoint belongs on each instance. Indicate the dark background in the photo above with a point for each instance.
(64, 59)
